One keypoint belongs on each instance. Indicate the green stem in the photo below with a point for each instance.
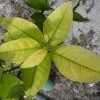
(76, 5)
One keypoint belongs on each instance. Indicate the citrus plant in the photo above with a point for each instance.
(26, 44)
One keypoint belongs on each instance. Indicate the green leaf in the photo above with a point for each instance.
(79, 18)
(16, 92)
(18, 50)
(1, 71)
(35, 58)
(8, 37)
(38, 18)
(34, 78)
(77, 63)
(21, 28)
(57, 25)
(7, 83)
(1, 18)
(13, 99)
(38, 4)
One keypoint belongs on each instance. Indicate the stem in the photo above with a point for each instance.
(42, 12)
(11, 69)
(76, 5)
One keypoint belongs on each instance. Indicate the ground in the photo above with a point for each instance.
(84, 34)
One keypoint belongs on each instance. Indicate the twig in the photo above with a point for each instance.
(11, 69)
(76, 5)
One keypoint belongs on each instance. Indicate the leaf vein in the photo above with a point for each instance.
(76, 62)
(58, 25)
(22, 30)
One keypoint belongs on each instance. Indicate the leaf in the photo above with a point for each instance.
(79, 18)
(35, 77)
(8, 37)
(21, 28)
(57, 25)
(7, 83)
(16, 92)
(18, 50)
(35, 58)
(1, 71)
(77, 63)
(38, 4)
(1, 18)
(38, 18)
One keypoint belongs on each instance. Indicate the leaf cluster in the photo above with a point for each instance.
(26, 44)
(42, 5)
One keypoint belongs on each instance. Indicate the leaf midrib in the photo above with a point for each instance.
(58, 25)
(22, 30)
(20, 50)
(75, 62)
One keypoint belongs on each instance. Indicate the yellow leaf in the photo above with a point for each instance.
(34, 59)
(57, 25)
(77, 63)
